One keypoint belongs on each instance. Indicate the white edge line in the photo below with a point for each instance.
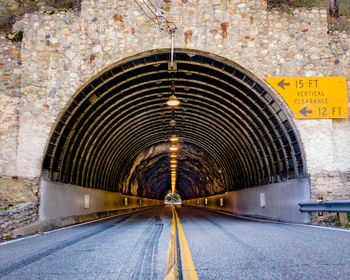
(274, 222)
(72, 226)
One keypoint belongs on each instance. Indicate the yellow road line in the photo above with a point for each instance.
(172, 270)
(188, 269)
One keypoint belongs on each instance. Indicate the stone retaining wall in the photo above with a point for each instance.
(17, 217)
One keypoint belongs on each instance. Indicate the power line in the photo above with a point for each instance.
(157, 16)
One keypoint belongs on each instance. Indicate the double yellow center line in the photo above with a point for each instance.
(183, 267)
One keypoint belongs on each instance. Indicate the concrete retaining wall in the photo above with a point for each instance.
(281, 201)
(61, 200)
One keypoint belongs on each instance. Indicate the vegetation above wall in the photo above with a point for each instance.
(13, 10)
(340, 9)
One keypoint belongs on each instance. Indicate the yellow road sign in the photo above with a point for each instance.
(313, 97)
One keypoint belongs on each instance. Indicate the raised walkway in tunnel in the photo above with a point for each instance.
(136, 246)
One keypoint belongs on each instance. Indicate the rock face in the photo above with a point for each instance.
(198, 174)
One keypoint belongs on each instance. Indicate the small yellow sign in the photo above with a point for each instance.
(313, 97)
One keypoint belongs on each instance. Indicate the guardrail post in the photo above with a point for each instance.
(343, 218)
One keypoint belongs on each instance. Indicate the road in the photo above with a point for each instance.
(186, 243)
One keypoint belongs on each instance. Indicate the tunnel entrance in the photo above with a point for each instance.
(172, 198)
(114, 135)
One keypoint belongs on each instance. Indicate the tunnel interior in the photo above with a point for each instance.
(233, 133)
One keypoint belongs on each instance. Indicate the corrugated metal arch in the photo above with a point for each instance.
(224, 110)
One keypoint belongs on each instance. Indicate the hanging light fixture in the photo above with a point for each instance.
(173, 148)
(173, 101)
(174, 138)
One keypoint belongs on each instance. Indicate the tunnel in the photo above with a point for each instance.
(233, 132)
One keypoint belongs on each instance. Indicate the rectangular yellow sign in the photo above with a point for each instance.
(313, 97)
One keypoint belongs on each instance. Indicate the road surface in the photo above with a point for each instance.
(183, 243)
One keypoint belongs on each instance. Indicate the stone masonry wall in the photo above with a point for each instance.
(17, 217)
(14, 190)
(10, 82)
(61, 52)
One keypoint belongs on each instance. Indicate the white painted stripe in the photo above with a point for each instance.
(275, 222)
(72, 226)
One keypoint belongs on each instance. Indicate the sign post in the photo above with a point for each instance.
(313, 97)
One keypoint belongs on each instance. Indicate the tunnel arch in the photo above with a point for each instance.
(226, 113)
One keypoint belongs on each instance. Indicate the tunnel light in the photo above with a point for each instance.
(174, 138)
(173, 165)
(173, 101)
(173, 161)
(173, 156)
(173, 148)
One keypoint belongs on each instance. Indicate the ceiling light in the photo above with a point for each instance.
(173, 165)
(173, 156)
(173, 161)
(173, 148)
(174, 138)
(173, 101)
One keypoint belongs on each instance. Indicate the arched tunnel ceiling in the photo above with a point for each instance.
(225, 112)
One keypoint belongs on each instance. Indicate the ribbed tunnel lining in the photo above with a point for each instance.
(224, 110)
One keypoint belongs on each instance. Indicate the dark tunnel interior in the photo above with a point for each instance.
(114, 134)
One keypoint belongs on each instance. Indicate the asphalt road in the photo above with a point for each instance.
(135, 246)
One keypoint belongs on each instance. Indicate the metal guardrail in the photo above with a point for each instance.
(326, 206)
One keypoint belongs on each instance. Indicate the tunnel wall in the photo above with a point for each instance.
(63, 200)
(281, 201)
